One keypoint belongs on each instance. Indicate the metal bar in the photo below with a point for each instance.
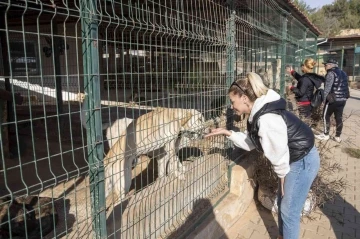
(266, 59)
(8, 110)
(57, 68)
(304, 52)
(342, 58)
(354, 62)
(316, 46)
(90, 43)
(359, 65)
(230, 60)
(230, 50)
(283, 56)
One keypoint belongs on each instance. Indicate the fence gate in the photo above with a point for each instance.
(104, 104)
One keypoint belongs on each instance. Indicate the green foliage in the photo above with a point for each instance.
(330, 19)
(304, 7)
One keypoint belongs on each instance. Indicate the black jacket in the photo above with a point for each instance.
(304, 91)
(340, 86)
(300, 137)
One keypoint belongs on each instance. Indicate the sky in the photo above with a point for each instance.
(318, 3)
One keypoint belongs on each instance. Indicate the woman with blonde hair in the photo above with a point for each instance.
(286, 141)
(304, 91)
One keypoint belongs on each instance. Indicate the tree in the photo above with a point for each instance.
(330, 19)
(304, 7)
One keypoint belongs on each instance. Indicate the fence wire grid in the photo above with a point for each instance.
(117, 95)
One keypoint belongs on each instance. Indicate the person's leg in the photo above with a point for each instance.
(328, 111)
(340, 105)
(280, 221)
(308, 109)
(296, 188)
(307, 114)
(304, 111)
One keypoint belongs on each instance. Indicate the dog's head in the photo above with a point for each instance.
(193, 125)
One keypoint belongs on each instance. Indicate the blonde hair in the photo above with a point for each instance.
(309, 65)
(252, 86)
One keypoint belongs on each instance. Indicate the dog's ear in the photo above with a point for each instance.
(186, 118)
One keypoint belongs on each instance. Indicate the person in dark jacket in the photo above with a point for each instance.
(307, 83)
(336, 93)
(286, 141)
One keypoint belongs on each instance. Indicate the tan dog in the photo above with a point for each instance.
(151, 131)
(117, 129)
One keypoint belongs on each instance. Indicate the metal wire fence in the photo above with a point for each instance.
(117, 96)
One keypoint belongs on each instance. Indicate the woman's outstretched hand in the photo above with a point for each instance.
(218, 131)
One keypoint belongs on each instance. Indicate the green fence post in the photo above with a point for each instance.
(266, 58)
(353, 75)
(230, 74)
(283, 56)
(8, 105)
(58, 77)
(304, 51)
(342, 58)
(90, 43)
(356, 58)
(230, 56)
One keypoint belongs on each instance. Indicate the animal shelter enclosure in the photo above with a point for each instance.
(116, 98)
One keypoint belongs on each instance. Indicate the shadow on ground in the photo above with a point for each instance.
(199, 207)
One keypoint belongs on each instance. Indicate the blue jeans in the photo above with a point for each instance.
(296, 188)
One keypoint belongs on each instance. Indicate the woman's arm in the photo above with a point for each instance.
(296, 75)
(240, 139)
(330, 77)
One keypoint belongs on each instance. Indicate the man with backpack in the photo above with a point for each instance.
(336, 93)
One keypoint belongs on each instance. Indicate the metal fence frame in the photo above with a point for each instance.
(252, 38)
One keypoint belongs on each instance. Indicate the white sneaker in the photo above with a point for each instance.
(322, 137)
(338, 139)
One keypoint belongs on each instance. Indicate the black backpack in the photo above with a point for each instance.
(318, 98)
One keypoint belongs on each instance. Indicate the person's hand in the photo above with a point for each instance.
(282, 181)
(18, 98)
(218, 131)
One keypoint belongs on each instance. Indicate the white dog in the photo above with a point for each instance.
(151, 131)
